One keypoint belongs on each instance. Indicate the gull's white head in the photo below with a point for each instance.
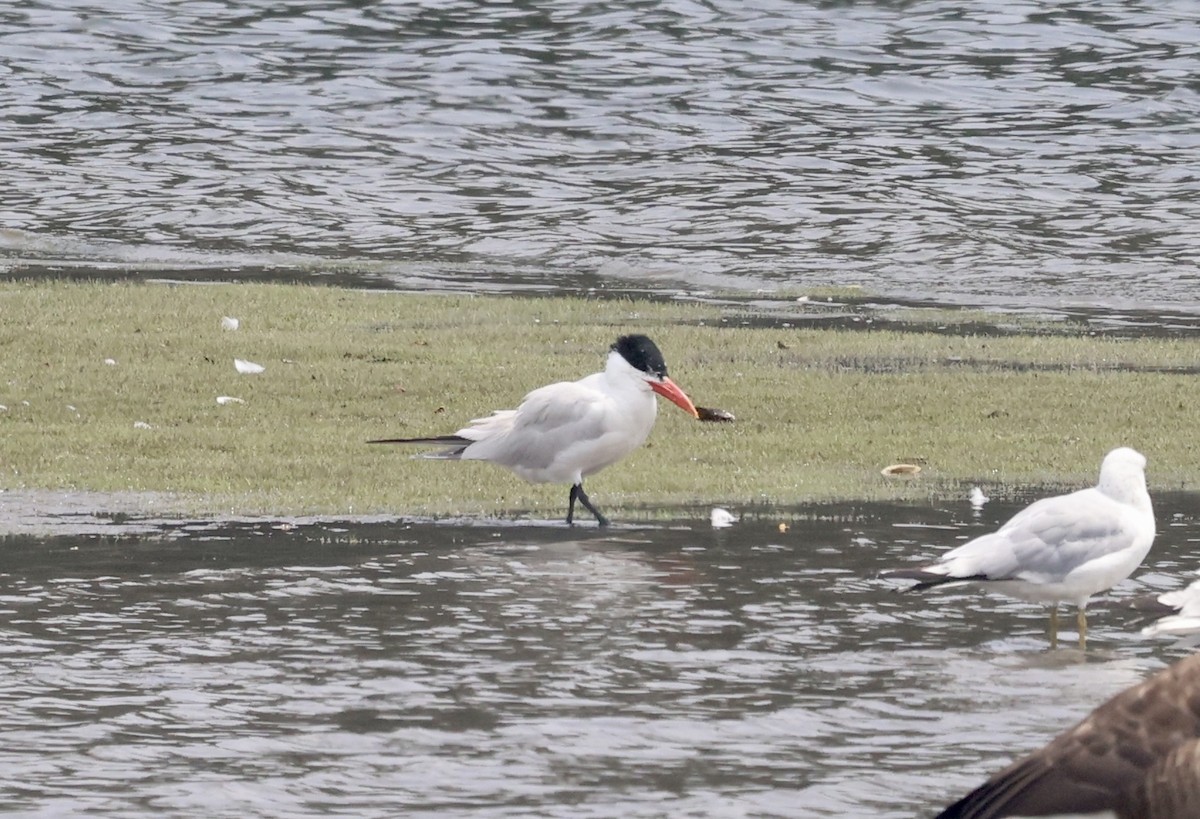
(1123, 476)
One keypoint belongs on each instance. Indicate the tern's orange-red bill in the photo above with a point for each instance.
(669, 390)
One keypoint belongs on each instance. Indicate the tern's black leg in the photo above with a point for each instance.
(578, 493)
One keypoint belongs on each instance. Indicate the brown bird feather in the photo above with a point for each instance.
(1136, 748)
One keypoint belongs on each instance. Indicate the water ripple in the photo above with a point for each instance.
(995, 153)
(462, 673)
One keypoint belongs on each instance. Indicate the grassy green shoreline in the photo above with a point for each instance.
(820, 412)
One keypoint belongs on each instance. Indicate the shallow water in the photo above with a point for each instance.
(385, 668)
(999, 153)
(1026, 154)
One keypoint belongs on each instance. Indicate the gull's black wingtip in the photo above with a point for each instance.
(452, 440)
(927, 579)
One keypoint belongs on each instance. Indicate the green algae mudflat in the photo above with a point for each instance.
(113, 388)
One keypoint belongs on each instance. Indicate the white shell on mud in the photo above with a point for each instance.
(247, 367)
(722, 518)
(900, 470)
(112, 362)
(228, 399)
(229, 323)
(141, 425)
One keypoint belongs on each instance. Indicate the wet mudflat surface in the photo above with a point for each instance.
(391, 667)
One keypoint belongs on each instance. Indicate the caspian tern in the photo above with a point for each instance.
(1060, 549)
(1137, 755)
(564, 432)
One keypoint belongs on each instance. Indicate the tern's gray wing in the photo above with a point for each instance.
(549, 421)
(569, 405)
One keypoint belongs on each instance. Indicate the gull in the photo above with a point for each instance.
(1184, 621)
(1137, 756)
(564, 432)
(1060, 549)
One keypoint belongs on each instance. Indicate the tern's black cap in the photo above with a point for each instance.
(642, 354)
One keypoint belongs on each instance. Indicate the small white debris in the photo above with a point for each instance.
(722, 518)
(802, 300)
(112, 362)
(978, 499)
(141, 425)
(228, 399)
(3, 408)
(229, 323)
(897, 470)
(71, 407)
(247, 367)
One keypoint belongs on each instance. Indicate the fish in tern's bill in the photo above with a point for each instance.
(564, 432)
